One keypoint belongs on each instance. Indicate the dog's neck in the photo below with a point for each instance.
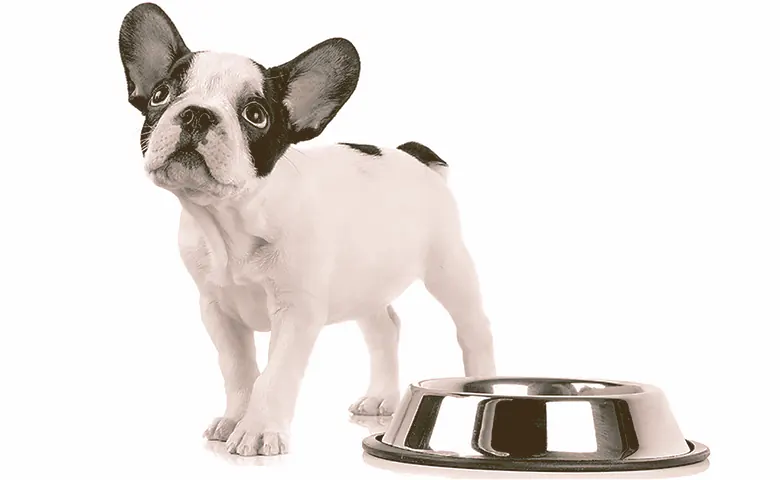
(234, 229)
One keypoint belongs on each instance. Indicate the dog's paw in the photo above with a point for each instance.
(220, 429)
(384, 405)
(249, 438)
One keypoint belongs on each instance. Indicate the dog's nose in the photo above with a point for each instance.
(196, 119)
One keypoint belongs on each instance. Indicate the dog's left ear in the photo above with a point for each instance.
(149, 45)
(316, 84)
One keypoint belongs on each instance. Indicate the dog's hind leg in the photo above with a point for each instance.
(452, 279)
(381, 333)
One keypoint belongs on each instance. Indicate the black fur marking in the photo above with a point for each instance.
(269, 144)
(425, 155)
(174, 80)
(365, 149)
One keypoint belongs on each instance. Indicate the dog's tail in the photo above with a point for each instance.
(426, 156)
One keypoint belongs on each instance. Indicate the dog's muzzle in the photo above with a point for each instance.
(186, 164)
(195, 123)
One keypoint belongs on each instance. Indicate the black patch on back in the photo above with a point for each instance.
(425, 155)
(267, 146)
(364, 149)
(174, 79)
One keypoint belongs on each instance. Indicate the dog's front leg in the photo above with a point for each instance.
(296, 321)
(235, 346)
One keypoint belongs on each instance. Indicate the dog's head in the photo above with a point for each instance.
(216, 121)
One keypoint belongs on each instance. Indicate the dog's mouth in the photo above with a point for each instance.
(186, 171)
(188, 157)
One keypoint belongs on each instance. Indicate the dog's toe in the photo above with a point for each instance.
(248, 447)
(235, 439)
(220, 429)
(273, 443)
(248, 440)
(375, 405)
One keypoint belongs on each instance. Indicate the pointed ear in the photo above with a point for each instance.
(148, 44)
(316, 84)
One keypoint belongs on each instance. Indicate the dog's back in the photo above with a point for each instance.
(383, 210)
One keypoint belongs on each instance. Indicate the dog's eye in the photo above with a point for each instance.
(160, 96)
(254, 114)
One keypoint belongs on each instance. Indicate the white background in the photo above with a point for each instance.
(617, 168)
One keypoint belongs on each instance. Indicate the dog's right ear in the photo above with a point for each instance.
(149, 45)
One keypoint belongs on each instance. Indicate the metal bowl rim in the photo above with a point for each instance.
(643, 387)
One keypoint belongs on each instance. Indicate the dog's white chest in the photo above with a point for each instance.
(239, 293)
(245, 301)
(236, 282)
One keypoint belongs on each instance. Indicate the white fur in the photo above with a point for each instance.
(329, 235)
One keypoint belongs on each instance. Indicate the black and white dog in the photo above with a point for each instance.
(285, 239)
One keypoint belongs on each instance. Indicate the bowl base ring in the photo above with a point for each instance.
(374, 446)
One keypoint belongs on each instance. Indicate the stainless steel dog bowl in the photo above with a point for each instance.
(535, 424)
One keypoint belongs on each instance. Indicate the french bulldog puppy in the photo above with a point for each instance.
(284, 239)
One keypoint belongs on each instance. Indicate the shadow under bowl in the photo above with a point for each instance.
(535, 424)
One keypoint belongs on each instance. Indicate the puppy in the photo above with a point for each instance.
(285, 239)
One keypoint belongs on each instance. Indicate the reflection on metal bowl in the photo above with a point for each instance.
(535, 424)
